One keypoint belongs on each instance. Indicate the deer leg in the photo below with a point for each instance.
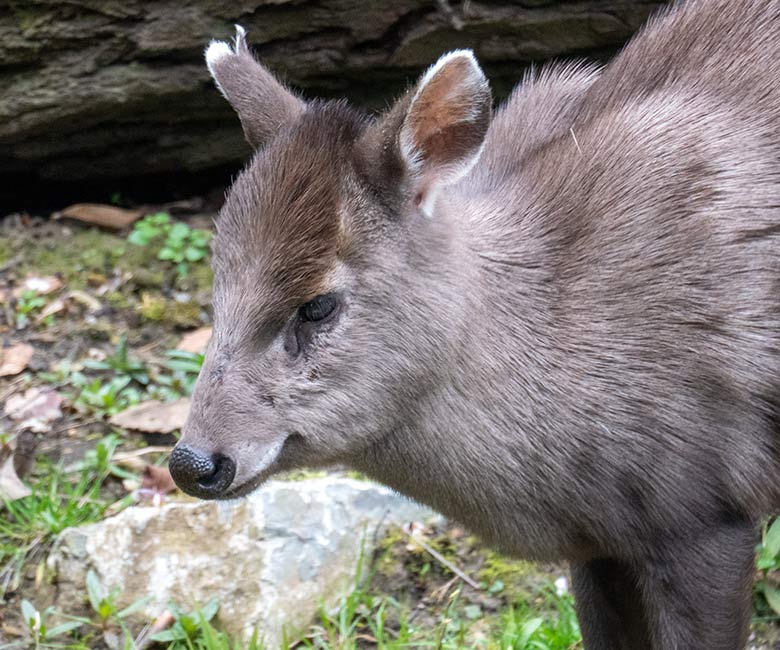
(697, 592)
(609, 606)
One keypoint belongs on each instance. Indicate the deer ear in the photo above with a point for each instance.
(445, 124)
(263, 104)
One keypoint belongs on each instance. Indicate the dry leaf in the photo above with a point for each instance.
(10, 486)
(195, 341)
(40, 285)
(158, 479)
(133, 459)
(92, 304)
(25, 444)
(107, 216)
(154, 416)
(15, 359)
(156, 482)
(37, 408)
(54, 307)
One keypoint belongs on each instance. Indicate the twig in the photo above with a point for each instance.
(135, 453)
(440, 558)
(162, 622)
(77, 425)
(11, 388)
(441, 592)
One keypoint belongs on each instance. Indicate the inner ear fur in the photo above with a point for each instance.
(433, 135)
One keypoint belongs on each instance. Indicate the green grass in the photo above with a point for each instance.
(103, 388)
(59, 500)
(369, 620)
(365, 619)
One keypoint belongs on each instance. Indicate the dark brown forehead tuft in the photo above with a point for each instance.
(281, 224)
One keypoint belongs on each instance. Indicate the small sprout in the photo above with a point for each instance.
(177, 243)
(28, 305)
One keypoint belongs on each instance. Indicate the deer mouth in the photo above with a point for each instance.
(268, 465)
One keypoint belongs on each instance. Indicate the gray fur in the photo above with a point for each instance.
(577, 354)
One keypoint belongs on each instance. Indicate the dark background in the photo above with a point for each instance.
(104, 99)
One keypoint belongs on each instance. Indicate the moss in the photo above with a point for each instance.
(5, 250)
(520, 578)
(79, 253)
(148, 277)
(142, 263)
(358, 476)
(75, 255)
(398, 555)
(152, 307)
(117, 300)
(184, 314)
(394, 536)
(200, 276)
(388, 561)
(303, 474)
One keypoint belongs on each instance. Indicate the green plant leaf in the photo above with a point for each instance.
(63, 628)
(138, 237)
(134, 607)
(166, 636)
(179, 232)
(772, 596)
(189, 624)
(95, 591)
(94, 364)
(528, 629)
(194, 254)
(772, 539)
(29, 612)
(106, 609)
(209, 610)
(182, 365)
(496, 587)
(200, 237)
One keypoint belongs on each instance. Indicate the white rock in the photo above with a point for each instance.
(281, 553)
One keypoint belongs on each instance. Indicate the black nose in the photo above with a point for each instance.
(200, 475)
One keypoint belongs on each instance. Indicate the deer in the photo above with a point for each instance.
(556, 322)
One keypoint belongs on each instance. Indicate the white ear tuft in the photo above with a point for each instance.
(239, 40)
(218, 50)
(215, 52)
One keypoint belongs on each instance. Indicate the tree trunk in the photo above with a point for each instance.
(93, 89)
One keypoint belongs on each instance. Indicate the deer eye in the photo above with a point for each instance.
(318, 309)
